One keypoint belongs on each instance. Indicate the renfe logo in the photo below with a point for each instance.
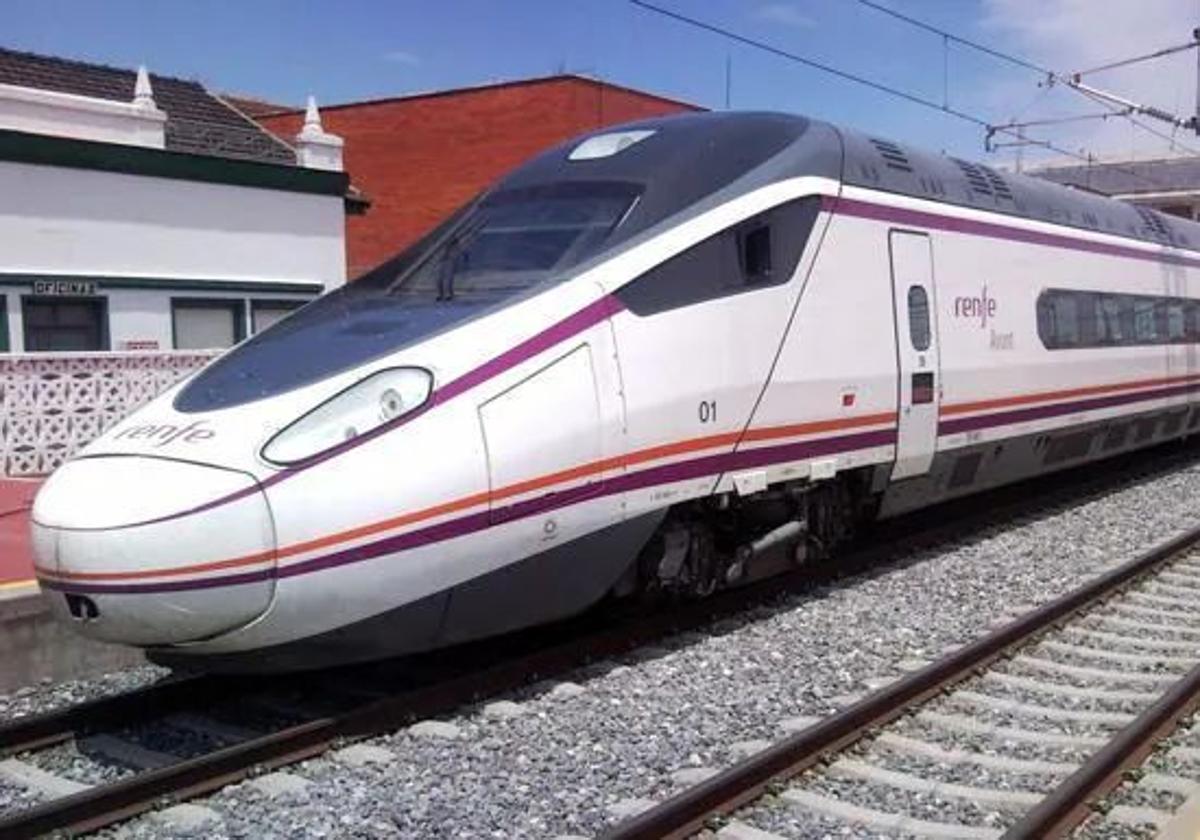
(981, 307)
(160, 434)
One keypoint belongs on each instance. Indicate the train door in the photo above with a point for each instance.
(918, 363)
(1181, 353)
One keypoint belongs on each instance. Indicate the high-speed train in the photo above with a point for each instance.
(670, 356)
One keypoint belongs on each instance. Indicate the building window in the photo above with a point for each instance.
(203, 324)
(64, 324)
(4, 345)
(264, 313)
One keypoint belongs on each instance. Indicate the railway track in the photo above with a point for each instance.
(188, 736)
(1055, 708)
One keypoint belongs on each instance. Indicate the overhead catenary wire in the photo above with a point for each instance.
(958, 39)
(1112, 65)
(1052, 76)
(881, 87)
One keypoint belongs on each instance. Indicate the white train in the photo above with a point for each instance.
(674, 355)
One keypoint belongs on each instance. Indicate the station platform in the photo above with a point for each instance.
(16, 561)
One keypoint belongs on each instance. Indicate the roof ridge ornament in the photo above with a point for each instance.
(312, 118)
(143, 93)
(315, 147)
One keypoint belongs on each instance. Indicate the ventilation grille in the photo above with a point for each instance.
(998, 184)
(892, 156)
(975, 177)
(1155, 226)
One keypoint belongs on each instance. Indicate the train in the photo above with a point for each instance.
(659, 360)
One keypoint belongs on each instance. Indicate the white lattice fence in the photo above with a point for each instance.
(51, 404)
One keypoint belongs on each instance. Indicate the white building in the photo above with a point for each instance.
(140, 212)
(1171, 185)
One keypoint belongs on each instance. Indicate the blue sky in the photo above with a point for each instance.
(355, 49)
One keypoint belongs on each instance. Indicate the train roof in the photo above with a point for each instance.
(885, 165)
(690, 161)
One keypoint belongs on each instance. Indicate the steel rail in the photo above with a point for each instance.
(128, 707)
(105, 804)
(688, 811)
(1069, 804)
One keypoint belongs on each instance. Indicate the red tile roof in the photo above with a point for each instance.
(197, 121)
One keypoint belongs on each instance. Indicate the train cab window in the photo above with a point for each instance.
(758, 253)
(918, 317)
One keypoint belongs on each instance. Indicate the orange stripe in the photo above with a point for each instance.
(1046, 396)
(616, 462)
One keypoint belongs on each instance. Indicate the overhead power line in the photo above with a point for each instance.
(881, 87)
(1124, 108)
(808, 62)
(1190, 45)
(958, 39)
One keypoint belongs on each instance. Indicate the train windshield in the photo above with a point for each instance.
(493, 249)
(517, 238)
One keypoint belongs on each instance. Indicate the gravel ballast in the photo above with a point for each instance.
(625, 727)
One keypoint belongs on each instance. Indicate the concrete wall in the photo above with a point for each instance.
(39, 111)
(71, 221)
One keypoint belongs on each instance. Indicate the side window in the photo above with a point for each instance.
(1176, 330)
(1113, 330)
(1067, 318)
(1087, 310)
(1145, 321)
(918, 317)
(753, 254)
(1058, 320)
(1191, 309)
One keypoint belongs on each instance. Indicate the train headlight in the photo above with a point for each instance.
(364, 406)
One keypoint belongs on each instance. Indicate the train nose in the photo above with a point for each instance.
(150, 551)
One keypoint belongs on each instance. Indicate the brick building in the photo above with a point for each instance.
(417, 158)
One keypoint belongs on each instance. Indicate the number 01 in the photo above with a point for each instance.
(708, 411)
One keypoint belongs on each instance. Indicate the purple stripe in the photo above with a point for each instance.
(993, 230)
(584, 319)
(1004, 418)
(709, 465)
(169, 586)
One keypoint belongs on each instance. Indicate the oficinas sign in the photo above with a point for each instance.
(65, 288)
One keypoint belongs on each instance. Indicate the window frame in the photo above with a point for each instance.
(928, 318)
(237, 307)
(1142, 320)
(291, 304)
(99, 301)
